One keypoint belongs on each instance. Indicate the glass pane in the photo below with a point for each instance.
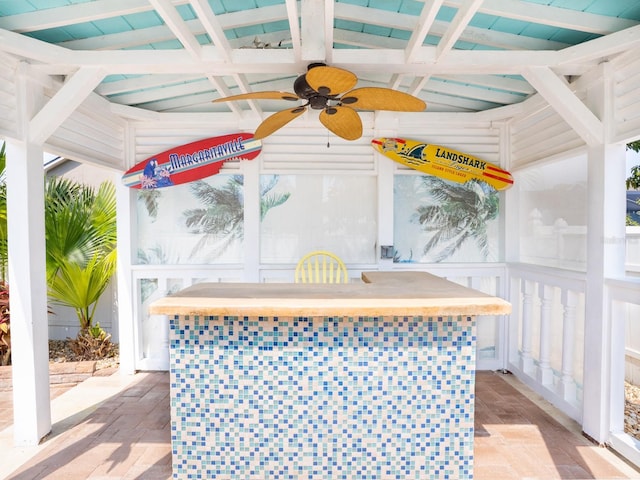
(196, 223)
(301, 213)
(553, 214)
(440, 221)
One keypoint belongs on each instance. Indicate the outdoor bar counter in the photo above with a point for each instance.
(300, 381)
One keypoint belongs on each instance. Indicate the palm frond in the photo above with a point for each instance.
(80, 287)
(150, 197)
(268, 202)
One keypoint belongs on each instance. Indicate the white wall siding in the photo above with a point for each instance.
(627, 99)
(92, 134)
(8, 112)
(541, 134)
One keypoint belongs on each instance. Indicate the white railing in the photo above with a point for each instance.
(546, 330)
(624, 311)
(546, 342)
(154, 282)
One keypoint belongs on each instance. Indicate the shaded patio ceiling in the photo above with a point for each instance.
(178, 56)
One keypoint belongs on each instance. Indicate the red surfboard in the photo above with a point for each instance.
(192, 161)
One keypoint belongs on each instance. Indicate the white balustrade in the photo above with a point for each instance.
(567, 386)
(548, 366)
(545, 374)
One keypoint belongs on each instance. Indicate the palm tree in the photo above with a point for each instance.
(461, 213)
(80, 230)
(221, 219)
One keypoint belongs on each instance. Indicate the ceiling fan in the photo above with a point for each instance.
(330, 89)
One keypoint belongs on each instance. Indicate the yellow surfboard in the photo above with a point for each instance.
(442, 162)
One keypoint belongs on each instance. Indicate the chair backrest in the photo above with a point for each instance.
(321, 267)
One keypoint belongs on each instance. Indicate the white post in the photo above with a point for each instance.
(28, 293)
(545, 374)
(27, 271)
(386, 176)
(605, 259)
(567, 383)
(526, 359)
(127, 328)
(251, 172)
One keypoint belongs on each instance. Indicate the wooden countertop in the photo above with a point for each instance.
(382, 294)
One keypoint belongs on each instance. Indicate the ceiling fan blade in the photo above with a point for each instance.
(376, 98)
(259, 96)
(343, 121)
(276, 121)
(330, 80)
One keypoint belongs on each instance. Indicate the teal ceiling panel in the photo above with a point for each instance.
(376, 30)
(348, 25)
(143, 20)
(390, 5)
(238, 5)
(411, 7)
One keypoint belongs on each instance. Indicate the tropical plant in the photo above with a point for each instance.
(461, 212)
(81, 286)
(4, 238)
(633, 181)
(80, 229)
(5, 325)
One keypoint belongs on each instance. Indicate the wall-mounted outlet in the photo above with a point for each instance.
(386, 251)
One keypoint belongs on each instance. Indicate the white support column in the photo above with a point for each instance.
(386, 173)
(605, 259)
(251, 172)
(385, 210)
(127, 328)
(28, 287)
(27, 271)
(545, 374)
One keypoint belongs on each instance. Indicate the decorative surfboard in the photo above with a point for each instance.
(442, 162)
(192, 161)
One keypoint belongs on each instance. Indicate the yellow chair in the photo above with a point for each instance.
(321, 267)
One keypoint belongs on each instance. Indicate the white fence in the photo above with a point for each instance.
(624, 311)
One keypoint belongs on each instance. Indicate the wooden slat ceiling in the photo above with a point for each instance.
(179, 55)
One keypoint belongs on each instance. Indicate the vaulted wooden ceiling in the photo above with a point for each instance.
(179, 55)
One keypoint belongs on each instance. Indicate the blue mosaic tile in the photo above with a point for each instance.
(322, 398)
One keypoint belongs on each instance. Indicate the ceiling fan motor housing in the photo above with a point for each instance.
(317, 99)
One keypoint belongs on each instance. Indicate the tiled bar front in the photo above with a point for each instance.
(322, 397)
(369, 380)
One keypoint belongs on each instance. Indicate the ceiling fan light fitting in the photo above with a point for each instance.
(318, 102)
